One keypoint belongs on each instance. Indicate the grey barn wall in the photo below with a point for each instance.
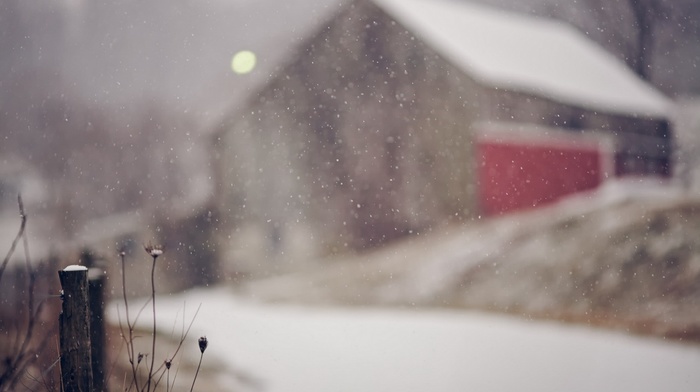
(366, 116)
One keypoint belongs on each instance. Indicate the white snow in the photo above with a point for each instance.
(75, 267)
(314, 349)
(621, 189)
(525, 53)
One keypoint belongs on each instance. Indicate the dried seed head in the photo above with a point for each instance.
(168, 363)
(203, 343)
(153, 250)
(139, 358)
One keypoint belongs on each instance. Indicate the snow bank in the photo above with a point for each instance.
(624, 257)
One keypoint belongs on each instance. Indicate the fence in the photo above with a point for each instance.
(82, 329)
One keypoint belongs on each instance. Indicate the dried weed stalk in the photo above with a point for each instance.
(154, 375)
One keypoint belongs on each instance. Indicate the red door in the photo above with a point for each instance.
(517, 173)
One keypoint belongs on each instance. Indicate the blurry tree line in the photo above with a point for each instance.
(94, 159)
(92, 166)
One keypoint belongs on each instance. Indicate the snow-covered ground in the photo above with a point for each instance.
(319, 349)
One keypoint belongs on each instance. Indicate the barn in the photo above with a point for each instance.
(400, 116)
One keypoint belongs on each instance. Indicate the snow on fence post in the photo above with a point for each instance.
(74, 330)
(96, 287)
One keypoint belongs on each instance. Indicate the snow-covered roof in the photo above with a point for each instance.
(528, 54)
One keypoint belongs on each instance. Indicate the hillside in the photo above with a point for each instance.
(625, 257)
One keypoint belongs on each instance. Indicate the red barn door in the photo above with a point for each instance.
(521, 172)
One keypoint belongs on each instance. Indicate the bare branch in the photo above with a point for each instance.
(20, 234)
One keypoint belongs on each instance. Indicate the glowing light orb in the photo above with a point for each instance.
(243, 62)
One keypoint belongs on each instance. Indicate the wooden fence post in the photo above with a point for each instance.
(96, 295)
(74, 330)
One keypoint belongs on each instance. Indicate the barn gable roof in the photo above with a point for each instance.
(528, 54)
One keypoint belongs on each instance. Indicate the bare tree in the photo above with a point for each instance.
(648, 15)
